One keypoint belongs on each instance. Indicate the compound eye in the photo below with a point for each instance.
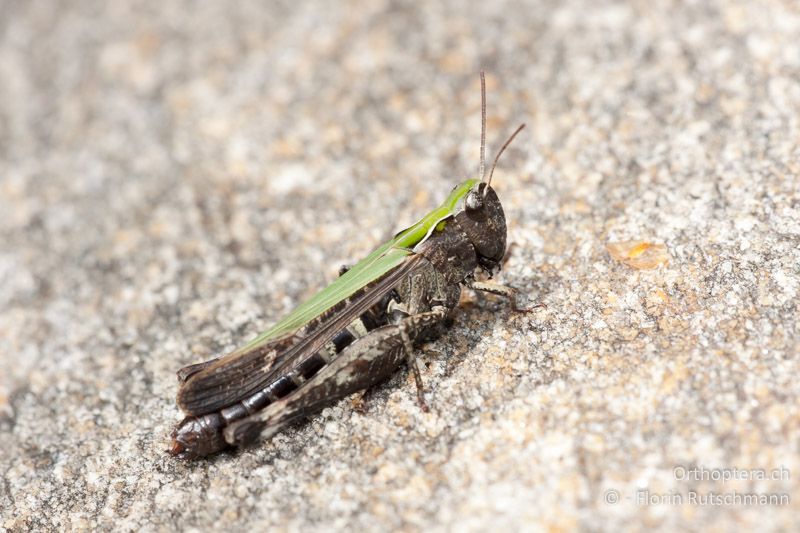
(474, 200)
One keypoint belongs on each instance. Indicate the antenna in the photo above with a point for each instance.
(483, 126)
(486, 189)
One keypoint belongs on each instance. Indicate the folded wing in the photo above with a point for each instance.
(234, 377)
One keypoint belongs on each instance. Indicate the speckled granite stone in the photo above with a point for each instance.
(174, 176)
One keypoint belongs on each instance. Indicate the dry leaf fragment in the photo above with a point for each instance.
(641, 255)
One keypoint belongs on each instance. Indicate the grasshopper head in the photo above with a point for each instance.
(484, 223)
(482, 218)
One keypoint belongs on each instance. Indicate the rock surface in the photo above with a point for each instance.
(175, 176)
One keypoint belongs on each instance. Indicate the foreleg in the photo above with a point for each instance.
(505, 291)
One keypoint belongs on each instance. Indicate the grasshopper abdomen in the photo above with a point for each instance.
(201, 434)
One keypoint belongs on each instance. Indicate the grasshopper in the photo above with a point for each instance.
(355, 332)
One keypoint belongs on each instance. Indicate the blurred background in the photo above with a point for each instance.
(175, 176)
